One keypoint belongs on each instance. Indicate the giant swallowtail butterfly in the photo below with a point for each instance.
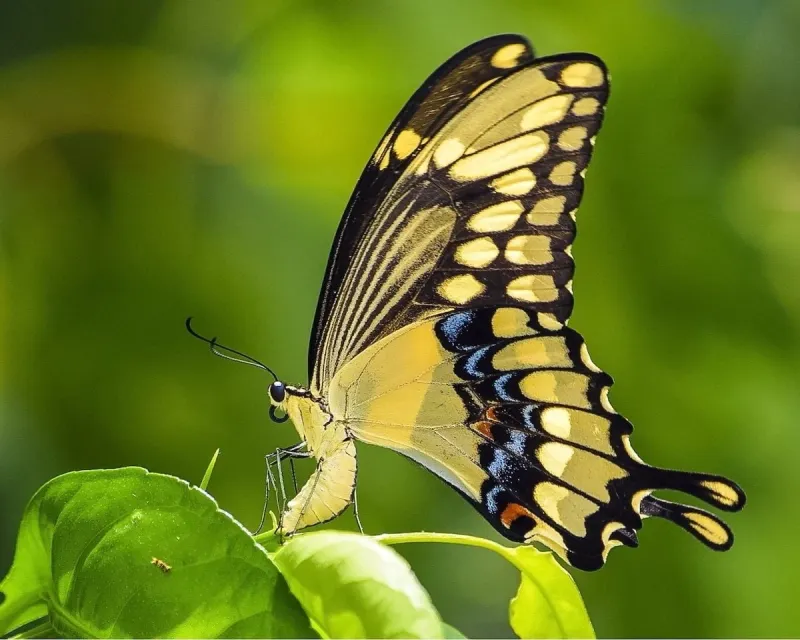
(441, 329)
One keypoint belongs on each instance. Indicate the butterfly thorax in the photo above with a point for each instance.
(313, 421)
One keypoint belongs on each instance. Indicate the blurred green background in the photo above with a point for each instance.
(166, 158)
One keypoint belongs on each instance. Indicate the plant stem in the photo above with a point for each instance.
(447, 538)
(261, 538)
(13, 607)
(42, 630)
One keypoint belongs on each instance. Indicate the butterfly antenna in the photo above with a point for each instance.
(217, 349)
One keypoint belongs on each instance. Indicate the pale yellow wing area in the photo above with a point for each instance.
(400, 394)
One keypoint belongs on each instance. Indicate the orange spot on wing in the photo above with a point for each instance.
(512, 512)
(484, 428)
(491, 414)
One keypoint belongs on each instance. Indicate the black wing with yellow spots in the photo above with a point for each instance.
(442, 94)
(440, 330)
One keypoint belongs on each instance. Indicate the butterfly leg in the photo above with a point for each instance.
(269, 483)
(279, 455)
(275, 458)
(355, 510)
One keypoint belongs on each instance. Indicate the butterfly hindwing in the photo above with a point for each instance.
(559, 460)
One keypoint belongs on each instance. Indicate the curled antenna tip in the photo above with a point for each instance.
(216, 346)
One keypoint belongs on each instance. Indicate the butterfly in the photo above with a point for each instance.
(441, 329)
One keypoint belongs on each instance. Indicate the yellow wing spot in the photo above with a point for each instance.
(533, 288)
(477, 253)
(582, 74)
(708, 527)
(556, 421)
(557, 387)
(563, 173)
(406, 143)
(461, 289)
(592, 474)
(516, 183)
(384, 162)
(587, 360)
(498, 217)
(604, 401)
(506, 57)
(580, 427)
(549, 321)
(547, 495)
(565, 508)
(482, 87)
(572, 139)
(529, 250)
(448, 152)
(532, 353)
(586, 106)
(722, 492)
(549, 536)
(555, 457)
(511, 322)
(545, 112)
(547, 211)
(501, 157)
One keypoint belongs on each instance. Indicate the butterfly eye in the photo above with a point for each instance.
(277, 392)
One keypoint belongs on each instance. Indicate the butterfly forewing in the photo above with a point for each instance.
(451, 86)
(483, 211)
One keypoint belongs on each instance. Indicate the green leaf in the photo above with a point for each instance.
(548, 603)
(451, 632)
(353, 587)
(85, 551)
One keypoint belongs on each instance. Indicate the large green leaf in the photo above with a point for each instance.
(84, 556)
(548, 603)
(353, 587)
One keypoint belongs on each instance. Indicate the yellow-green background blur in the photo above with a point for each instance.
(166, 158)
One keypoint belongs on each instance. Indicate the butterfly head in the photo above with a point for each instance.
(277, 397)
(277, 393)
